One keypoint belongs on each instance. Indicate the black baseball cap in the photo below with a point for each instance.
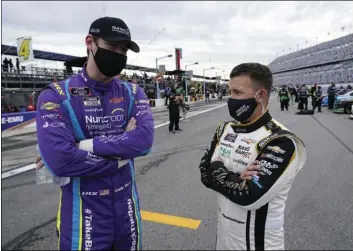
(113, 29)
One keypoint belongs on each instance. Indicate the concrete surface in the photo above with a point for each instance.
(18, 149)
(318, 212)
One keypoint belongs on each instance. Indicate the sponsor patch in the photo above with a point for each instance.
(93, 109)
(142, 107)
(51, 116)
(141, 112)
(116, 100)
(142, 101)
(117, 110)
(49, 106)
(272, 157)
(80, 91)
(58, 88)
(248, 141)
(230, 137)
(103, 192)
(267, 139)
(226, 145)
(267, 164)
(243, 151)
(54, 124)
(134, 88)
(276, 149)
(89, 193)
(224, 152)
(91, 101)
(239, 129)
(240, 162)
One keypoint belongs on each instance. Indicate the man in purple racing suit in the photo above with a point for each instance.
(82, 134)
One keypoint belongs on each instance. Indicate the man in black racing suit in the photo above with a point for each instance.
(251, 163)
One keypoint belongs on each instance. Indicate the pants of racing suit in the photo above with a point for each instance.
(313, 101)
(318, 104)
(292, 98)
(284, 104)
(331, 101)
(95, 215)
(303, 104)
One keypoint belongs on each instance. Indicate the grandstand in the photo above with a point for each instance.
(325, 63)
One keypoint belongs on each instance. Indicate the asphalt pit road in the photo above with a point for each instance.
(18, 185)
(159, 159)
(19, 145)
(29, 239)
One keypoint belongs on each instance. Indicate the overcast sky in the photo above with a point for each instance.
(219, 34)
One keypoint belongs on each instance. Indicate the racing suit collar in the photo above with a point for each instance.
(252, 126)
(99, 86)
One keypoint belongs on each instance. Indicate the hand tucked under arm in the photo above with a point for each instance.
(132, 143)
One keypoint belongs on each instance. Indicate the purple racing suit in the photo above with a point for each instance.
(81, 135)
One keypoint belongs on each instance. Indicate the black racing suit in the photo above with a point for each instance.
(318, 99)
(331, 97)
(174, 115)
(303, 99)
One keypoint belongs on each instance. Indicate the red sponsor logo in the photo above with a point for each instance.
(116, 100)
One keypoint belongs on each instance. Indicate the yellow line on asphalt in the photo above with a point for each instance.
(170, 220)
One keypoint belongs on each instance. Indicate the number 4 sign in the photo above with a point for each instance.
(24, 49)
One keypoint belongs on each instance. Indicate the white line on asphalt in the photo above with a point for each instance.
(17, 171)
(33, 166)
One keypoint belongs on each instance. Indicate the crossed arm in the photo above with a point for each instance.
(60, 153)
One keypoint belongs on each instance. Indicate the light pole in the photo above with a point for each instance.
(157, 84)
(186, 79)
(204, 80)
(217, 75)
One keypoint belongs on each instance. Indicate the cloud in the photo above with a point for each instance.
(219, 34)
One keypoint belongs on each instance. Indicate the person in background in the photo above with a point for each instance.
(5, 66)
(297, 94)
(303, 98)
(18, 65)
(331, 91)
(167, 93)
(207, 96)
(10, 65)
(174, 111)
(283, 96)
(293, 94)
(312, 91)
(180, 92)
(55, 78)
(318, 98)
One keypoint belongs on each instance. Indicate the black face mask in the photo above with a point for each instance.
(109, 63)
(242, 109)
